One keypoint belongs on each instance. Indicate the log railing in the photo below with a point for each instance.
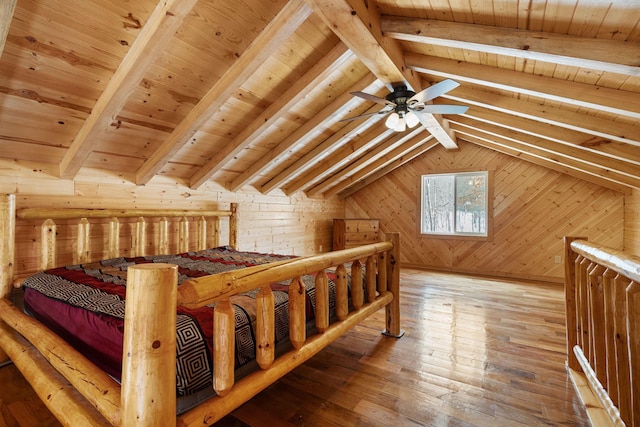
(602, 289)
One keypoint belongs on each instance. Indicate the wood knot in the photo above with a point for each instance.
(156, 344)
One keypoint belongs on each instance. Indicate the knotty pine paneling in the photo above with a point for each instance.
(533, 208)
(632, 223)
(267, 223)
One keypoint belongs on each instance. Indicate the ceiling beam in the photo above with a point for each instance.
(358, 24)
(405, 158)
(268, 41)
(614, 56)
(374, 160)
(360, 159)
(328, 145)
(330, 63)
(304, 133)
(148, 45)
(597, 126)
(597, 98)
(7, 8)
(623, 172)
(345, 152)
(534, 156)
(612, 149)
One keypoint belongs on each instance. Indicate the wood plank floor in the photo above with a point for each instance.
(476, 352)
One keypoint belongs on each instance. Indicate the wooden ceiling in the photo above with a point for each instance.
(252, 92)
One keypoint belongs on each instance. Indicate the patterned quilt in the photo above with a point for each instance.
(85, 304)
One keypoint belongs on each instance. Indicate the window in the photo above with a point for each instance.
(455, 204)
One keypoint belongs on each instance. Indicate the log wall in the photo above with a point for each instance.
(533, 208)
(268, 223)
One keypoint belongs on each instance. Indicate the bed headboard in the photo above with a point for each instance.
(93, 234)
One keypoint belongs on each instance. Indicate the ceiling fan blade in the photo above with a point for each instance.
(373, 98)
(434, 91)
(348, 119)
(441, 109)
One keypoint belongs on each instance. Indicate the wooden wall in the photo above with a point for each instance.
(268, 223)
(533, 208)
(632, 223)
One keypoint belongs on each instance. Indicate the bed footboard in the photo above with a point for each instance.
(602, 288)
(79, 393)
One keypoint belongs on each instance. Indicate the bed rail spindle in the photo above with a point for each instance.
(357, 293)
(139, 238)
(223, 347)
(201, 239)
(48, 244)
(183, 235)
(83, 249)
(233, 226)
(114, 238)
(163, 236)
(297, 317)
(265, 327)
(322, 301)
(217, 227)
(342, 293)
(371, 278)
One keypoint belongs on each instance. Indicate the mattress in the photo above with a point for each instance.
(85, 305)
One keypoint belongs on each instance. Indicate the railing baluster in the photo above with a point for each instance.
(297, 317)
(322, 301)
(342, 293)
(224, 321)
(371, 274)
(265, 329)
(357, 292)
(633, 337)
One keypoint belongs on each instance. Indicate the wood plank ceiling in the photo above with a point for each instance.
(252, 93)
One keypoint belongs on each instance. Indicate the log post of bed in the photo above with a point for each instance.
(602, 288)
(7, 244)
(149, 348)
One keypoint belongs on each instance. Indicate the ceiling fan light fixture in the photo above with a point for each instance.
(393, 120)
(401, 126)
(412, 119)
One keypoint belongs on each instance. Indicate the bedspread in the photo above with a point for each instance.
(85, 304)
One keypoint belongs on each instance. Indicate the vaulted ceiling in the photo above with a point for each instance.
(255, 92)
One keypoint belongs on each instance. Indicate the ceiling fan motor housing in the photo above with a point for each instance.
(400, 96)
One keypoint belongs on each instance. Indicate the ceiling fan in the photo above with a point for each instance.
(407, 108)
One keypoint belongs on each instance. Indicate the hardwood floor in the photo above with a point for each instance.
(476, 352)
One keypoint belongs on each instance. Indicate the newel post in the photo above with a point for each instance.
(7, 242)
(393, 285)
(570, 301)
(149, 352)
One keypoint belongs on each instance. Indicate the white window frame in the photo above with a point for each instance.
(454, 234)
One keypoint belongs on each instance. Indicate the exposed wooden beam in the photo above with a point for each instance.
(611, 149)
(269, 40)
(347, 131)
(623, 172)
(405, 158)
(156, 33)
(361, 159)
(532, 156)
(615, 56)
(331, 62)
(303, 133)
(371, 162)
(7, 7)
(589, 124)
(345, 152)
(580, 94)
(358, 24)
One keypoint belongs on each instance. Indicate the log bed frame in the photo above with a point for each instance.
(79, 393)
(602, 290)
